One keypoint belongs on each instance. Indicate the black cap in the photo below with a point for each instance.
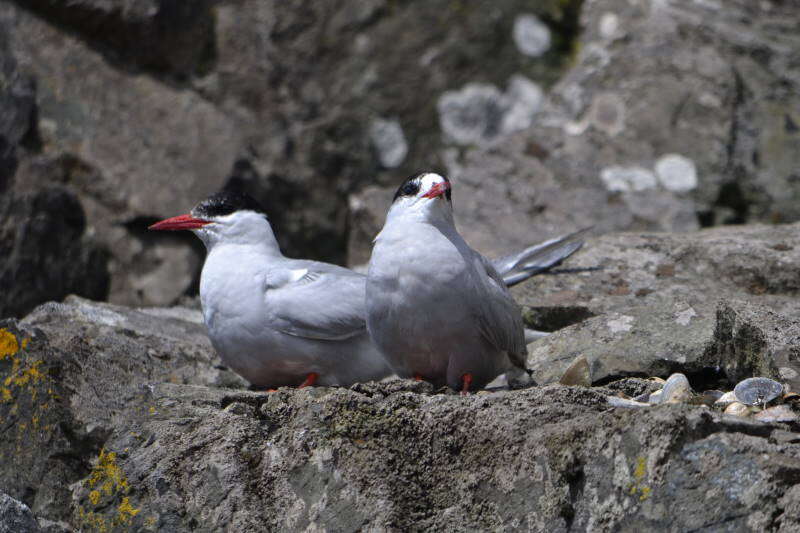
(226, 202)
(410, 187)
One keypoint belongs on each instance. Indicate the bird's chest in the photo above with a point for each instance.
(421, 282)
(232, 295)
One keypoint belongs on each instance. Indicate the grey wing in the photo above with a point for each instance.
(325, 303)
(519, 266)
(500, 320)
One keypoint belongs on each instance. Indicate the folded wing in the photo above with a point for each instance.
(323, 303)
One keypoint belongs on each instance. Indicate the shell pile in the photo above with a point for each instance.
(759, 398)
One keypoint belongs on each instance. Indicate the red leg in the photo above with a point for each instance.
(418, 377)
(466, 380)
(311, 378)
(270, 390)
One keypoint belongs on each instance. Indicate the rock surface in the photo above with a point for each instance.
(720, 303)
(121, 419)
(15, 517)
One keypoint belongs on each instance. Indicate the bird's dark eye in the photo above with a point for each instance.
(410, 189)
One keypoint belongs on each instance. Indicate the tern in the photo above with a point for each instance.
(437, 309)
(278, 321)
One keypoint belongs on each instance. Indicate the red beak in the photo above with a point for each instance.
(179, 222)
(437, 190)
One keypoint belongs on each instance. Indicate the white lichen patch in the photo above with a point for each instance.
(524, 99)
(676, 173)
(608, 25)
(621, 324)
(480, 113)
(471, 115)
(625, 179)
(388, 141)
(531, 35)
(685, 317)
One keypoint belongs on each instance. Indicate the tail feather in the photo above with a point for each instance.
(538, 258)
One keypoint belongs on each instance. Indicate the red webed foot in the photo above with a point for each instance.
(311, 378)
(466, 380)
(418, 377)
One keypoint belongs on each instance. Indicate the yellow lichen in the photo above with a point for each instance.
(125, 512)
(108, 479)
(92, 521)
(641, 469)
(107, 475)
(639, 473)
(8, 344)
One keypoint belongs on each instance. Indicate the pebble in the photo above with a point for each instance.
(578, 373)
(676, 390)
(711, 397)
(737, 409)
(725, 399)
(757, 391)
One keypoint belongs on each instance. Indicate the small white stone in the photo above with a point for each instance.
(685, 317)
(531, 35)
(621, 324)
(787, 373)
(624, 179)
(616, 401)
(609, 24)
(676, 173)
(388, 141)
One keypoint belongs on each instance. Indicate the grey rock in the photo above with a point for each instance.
(778, 413)
(719, 301)
(147, 107)
(175, 448)
(577, 373)
(157, 35)
(757, 391)
(86, 368)
(16, 517)
(46, 251)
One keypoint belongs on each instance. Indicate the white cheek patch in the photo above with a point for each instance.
(429, 180)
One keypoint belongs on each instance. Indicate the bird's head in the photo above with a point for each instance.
(226, 216)
(426, 194)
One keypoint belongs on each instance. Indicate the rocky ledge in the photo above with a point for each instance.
(123, 419)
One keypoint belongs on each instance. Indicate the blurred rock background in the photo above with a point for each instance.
(549, 116)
